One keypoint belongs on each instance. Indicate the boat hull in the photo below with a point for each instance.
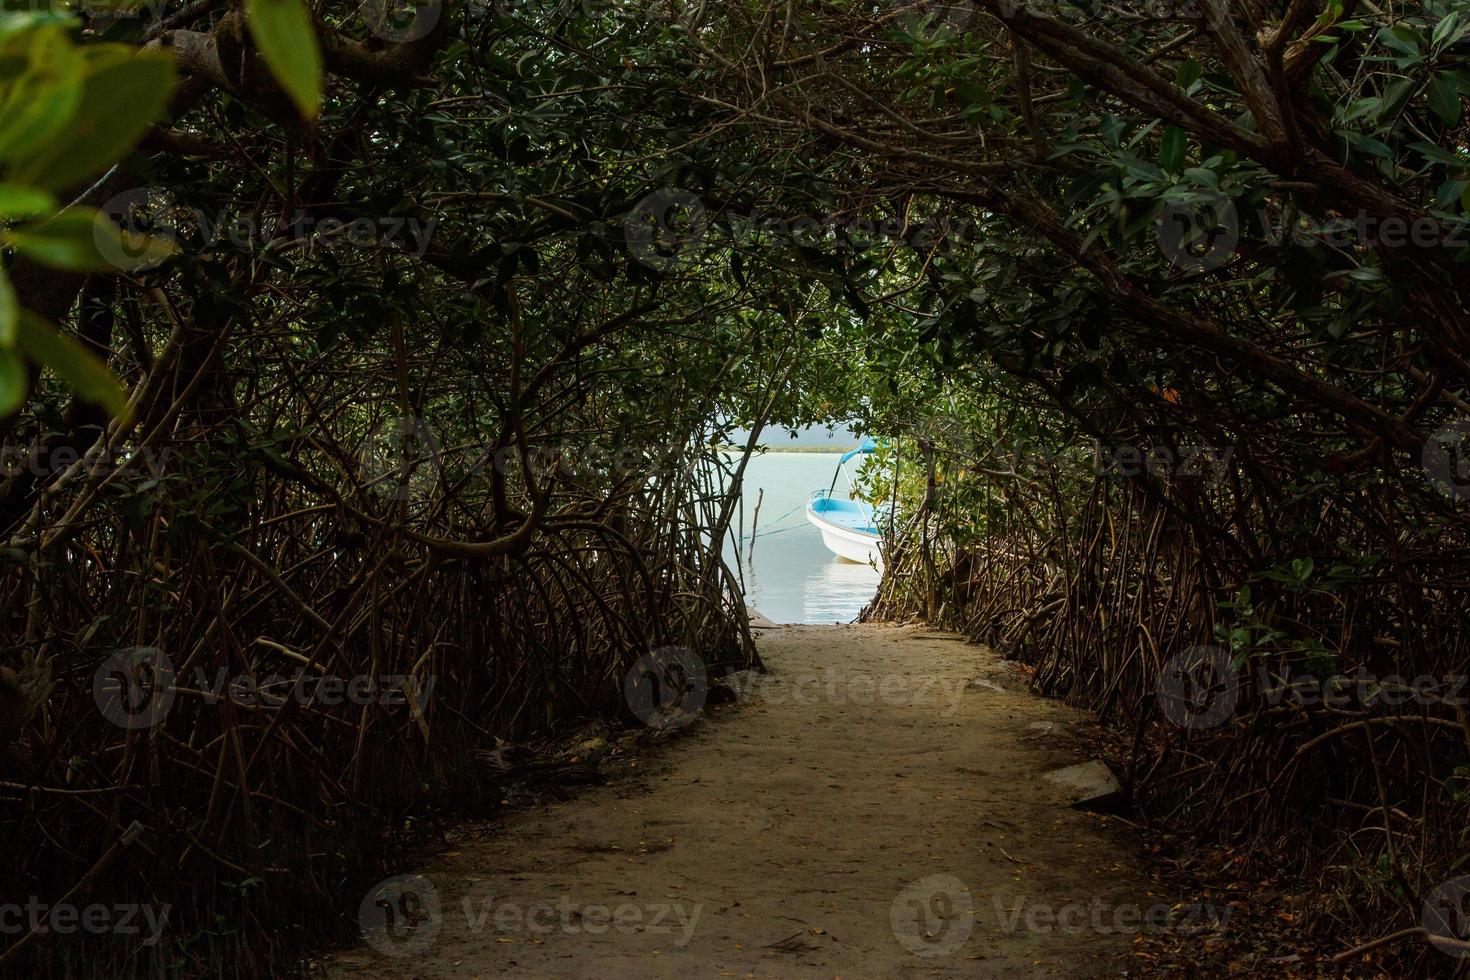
(845, 542)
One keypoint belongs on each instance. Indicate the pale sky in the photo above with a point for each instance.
(816, 435)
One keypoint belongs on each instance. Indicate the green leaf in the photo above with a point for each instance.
(121, 98)
(84, 240)
(1369, 145)
(1189, 72)
(1204, 176)
(1449, 31)
(67, 241)
(1086, 187)
(18, 22)
(1396, 95)
(78, 367)
(1438, 154)
(1445, 101)
(17, 201)
(12, 382)
(9, 311)
(1171, 154)
(1402, 37)
(42, 100)
(283, 31)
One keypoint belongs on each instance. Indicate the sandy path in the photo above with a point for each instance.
(863, 814)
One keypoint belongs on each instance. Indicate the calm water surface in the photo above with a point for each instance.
(795, 579)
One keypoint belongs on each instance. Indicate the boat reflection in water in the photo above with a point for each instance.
(832, 589)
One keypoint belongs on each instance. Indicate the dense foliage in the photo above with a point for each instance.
(419, 322)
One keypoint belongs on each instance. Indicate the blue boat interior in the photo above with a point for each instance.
(851, 514)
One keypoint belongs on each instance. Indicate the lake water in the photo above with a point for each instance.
(794, 578)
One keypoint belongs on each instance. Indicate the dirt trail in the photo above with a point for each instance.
(867, 812)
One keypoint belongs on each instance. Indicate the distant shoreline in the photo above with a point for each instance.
(828, 450)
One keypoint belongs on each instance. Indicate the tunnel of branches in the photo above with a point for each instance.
(1159, 311)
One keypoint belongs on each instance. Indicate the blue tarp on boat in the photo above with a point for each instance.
(851, 514)
(869, 446)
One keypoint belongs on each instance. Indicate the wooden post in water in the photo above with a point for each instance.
(755, 517)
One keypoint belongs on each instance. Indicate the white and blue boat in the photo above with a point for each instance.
(849, 527)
